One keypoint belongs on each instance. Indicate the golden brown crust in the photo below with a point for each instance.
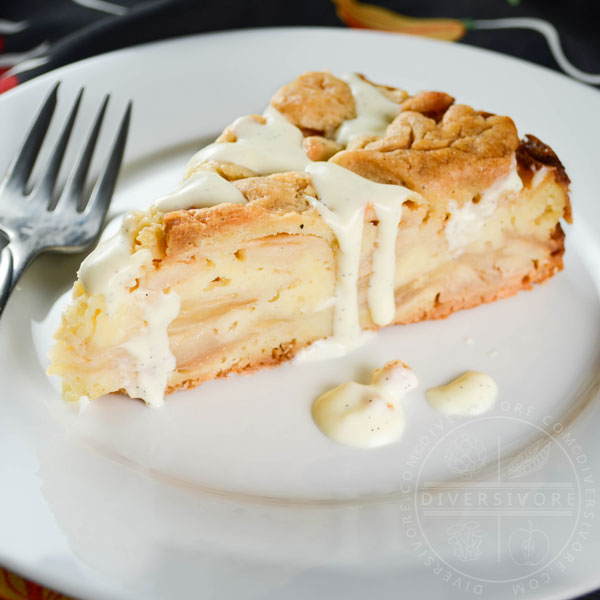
(429, 104)
(319, 148)
(316, 101)
(276, 204)
(282, 192)
(532, 155)
(457, 157)
(534, 152)
(433, 147)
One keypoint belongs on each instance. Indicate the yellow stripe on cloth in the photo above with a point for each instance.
(361, 15)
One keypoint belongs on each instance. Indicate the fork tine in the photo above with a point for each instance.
(48, 179)
(6, 273)
(20, 169)
(76, 181)
(105, 185)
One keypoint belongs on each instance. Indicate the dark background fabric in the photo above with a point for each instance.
(39, 35)
(71, 31)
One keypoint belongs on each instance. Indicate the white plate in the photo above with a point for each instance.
(230, 491)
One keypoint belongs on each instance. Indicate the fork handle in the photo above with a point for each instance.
(6, 276)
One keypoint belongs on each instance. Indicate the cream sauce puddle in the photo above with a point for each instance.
(366, 416)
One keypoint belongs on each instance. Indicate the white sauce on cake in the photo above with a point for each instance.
(343, 198)
(111, 270)
(381, 297)
(465, 223)
(539, 177)
(374, 111)
(200, 190)
(366, 416)
(470, 394)
(150, 347)
(273, 147)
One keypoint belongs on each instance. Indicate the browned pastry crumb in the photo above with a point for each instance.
(532, 155)
(455, 158)
(429, 104)
(316, 101)
(318, 147)
(534, 151)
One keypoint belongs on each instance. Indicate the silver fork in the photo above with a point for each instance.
(35, 221)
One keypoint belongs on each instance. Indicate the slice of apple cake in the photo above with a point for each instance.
(346, 206)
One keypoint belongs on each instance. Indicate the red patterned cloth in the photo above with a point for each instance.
(13, 587)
